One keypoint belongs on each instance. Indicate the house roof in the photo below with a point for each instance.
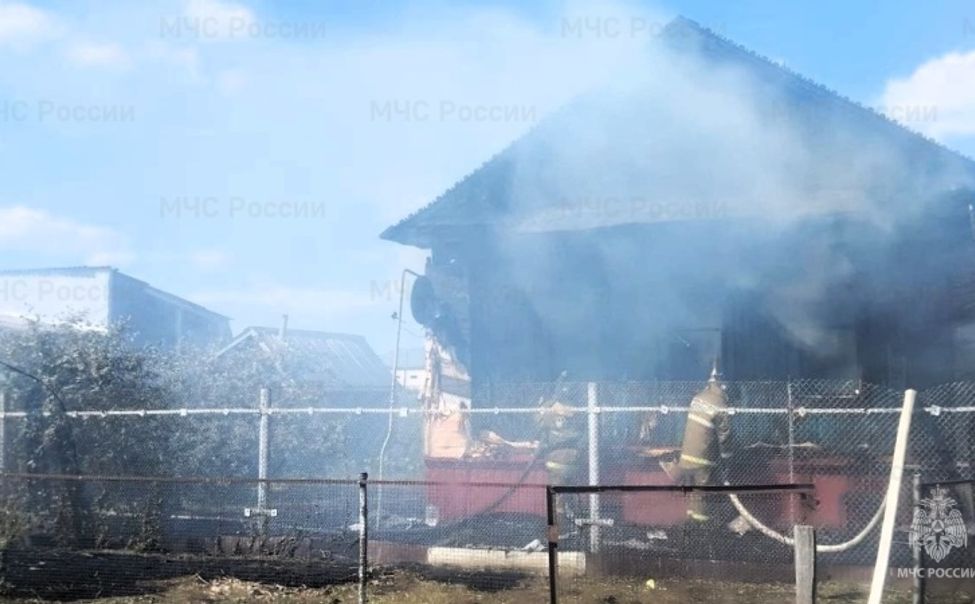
(337, 360)
(89, 271)
(12, 323)
(75, 271)
(568, 174)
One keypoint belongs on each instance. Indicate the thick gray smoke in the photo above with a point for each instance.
(726, 163)
(693, 128)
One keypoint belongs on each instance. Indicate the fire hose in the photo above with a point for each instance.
(897, 467)
(497, 503)
(532, 463)
(824, 548)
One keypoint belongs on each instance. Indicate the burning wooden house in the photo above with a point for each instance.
(724, 207)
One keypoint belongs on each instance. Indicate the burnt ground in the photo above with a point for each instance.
(323, 568)
(131, 578)
(406, 587)
(72, 575)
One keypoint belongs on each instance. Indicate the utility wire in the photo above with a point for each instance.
(31, 376)
(57, 397)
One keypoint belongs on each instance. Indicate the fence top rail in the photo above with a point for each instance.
(934, 410)
(446, 483)
(659, 488)
(253, 481)
(217, 480)
(761, 488)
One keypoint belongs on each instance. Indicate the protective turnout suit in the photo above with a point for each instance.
(560, 443)
(705, 444)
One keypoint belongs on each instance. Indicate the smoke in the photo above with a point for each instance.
(743, 183)
(690, 129)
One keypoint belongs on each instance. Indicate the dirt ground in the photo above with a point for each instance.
(407, 587)
(110, 577)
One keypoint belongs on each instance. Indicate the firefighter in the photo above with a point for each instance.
(560, 443)
(705, 444)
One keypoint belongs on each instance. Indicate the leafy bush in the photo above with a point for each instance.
(51, 371)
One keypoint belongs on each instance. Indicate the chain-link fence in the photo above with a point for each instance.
(939, 536)
(74, 537)
(836, 435)
(481, 536)
(634, 543)
(461, 517)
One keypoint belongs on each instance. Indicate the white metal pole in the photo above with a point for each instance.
(3, 431)
(791, 418)
(262, 458)
(392, 393)
(893, 495)
(592, 400)
(363, 536)
(791, 433)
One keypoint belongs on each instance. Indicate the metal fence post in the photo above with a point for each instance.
(553, 545)
(3, 468)
(791, 429)
(805, 561)
(363, 536)
(880, 567)
(592, 404)
(262, 461)
(3, 430)
(918, 551)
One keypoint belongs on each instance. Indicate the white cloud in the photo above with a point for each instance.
(183, 57)
(938, 99)
(49, 236)
(22, 24)
(215, 19)
(89, 54)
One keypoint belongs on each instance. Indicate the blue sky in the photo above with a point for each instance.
(240, 153)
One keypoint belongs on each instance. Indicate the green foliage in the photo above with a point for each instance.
(84, 369)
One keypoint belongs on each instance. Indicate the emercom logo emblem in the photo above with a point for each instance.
(938, 526)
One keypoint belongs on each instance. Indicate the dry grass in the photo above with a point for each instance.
(410, 588)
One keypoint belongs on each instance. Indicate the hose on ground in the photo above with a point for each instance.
(824, 548)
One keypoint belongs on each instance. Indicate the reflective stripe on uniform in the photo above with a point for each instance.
(709, 409)
(700, 420)
(556, 466)
(698, 460)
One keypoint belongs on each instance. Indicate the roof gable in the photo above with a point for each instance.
(747, 138)
(335, 360)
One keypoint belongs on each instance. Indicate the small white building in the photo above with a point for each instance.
(411, 371)
(101, 297)
(412, 378)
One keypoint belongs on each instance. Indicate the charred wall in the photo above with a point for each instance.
(833, 299)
